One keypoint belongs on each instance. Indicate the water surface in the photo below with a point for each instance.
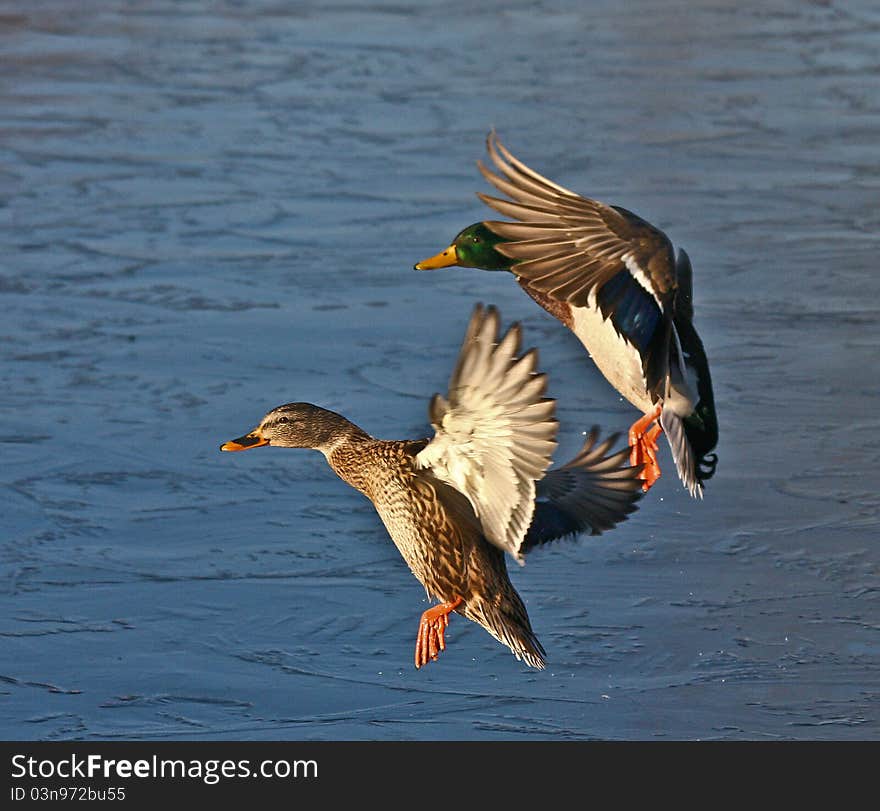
(208, 209)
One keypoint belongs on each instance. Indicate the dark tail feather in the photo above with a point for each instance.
(676, 434)
(508, 621)
(701, 427)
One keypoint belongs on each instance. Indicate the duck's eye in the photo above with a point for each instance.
(475, 240)
(283, 420)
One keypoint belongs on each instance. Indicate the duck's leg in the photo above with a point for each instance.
(432, 629)
(643, 447)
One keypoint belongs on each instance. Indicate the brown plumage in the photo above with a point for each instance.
(440, 537)
(615, 281)
(567, 245)
(454, 503)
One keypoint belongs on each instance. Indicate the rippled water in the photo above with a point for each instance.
(212, 208)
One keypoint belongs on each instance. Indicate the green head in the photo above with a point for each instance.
(474, 247)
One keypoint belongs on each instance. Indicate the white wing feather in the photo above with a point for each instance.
(495, 432)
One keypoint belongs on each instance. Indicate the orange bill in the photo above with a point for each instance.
(244, 443)
(444, 259)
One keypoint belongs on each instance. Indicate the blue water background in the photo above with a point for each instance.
(211, 208)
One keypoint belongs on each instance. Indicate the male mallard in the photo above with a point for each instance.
(613, 279)
(455, 503)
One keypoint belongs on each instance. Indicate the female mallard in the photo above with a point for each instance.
(613, 279)
(455, 503)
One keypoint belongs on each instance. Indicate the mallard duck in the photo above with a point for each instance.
(614, 280)
(455, 503)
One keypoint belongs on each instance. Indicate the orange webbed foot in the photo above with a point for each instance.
(643, 447)
(431, 638)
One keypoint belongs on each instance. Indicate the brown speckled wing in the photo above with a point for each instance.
(568, 246)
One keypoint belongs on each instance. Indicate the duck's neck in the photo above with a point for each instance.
(343, 451)
(341, 435)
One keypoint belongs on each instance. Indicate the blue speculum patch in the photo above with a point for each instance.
(633, 310)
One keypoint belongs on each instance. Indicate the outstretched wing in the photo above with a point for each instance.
(592, 493)
(569, 246)
(588, 254)
(495, 432)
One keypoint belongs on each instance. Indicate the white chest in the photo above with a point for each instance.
(616, 359)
